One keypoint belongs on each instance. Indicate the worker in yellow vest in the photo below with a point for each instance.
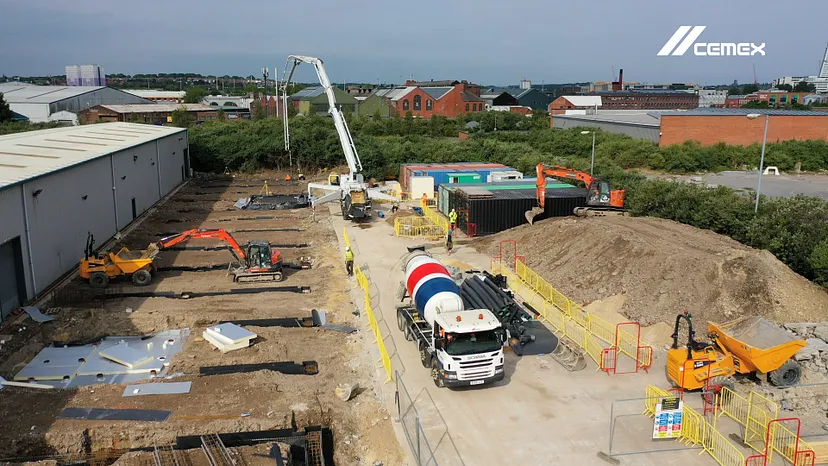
(349, 261)
(452, 218)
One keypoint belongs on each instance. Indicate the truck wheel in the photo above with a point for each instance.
(787, 375)
(141, 278)
(716, 384)
(98, 280)
(400, 321)
(425, 356)
(435, 374)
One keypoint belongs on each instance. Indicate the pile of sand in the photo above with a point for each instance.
(661, 268)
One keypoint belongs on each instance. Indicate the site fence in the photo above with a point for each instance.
(601, 340)
(416, 226)
(424, 428)
(365, 285)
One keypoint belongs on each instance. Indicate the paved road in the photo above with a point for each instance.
(540, 414)
(783, 185)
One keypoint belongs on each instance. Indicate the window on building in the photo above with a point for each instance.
(405, 104)
(467, 107)
(429, 104)
(418, 102)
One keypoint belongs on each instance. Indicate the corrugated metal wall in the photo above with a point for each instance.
(636, 131)
(81, 199)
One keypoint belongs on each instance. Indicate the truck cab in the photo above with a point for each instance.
(468, 348)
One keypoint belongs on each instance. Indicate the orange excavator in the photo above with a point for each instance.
(258, 261)
(601, 198)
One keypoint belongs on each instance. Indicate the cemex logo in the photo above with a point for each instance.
(707, 49)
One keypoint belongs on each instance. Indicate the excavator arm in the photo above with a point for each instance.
(218, 233)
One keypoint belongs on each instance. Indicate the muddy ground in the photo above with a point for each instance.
(216, 404)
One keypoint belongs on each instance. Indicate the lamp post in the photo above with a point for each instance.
(592, 165)
(753, 116)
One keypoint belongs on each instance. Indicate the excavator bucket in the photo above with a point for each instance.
(531, 214)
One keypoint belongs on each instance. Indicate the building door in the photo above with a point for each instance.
(12, 284)
(134, 210)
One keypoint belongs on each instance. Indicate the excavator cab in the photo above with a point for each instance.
(261, 256)
(599, 194)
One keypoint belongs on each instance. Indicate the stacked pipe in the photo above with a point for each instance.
(480, 291)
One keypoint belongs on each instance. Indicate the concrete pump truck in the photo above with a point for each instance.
(353, 194)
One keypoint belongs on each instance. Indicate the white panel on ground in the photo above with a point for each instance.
(170, 388)
(230, 333)
(126, 355)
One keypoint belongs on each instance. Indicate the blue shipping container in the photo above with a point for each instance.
(441, 176)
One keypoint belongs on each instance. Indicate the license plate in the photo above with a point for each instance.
(475, 382)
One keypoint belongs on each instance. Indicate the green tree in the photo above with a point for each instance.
(258, 112)
(181, 117)
(819, 263)
(377, 115)
(228, 104)
(5, 111)
(803, 86)
(756, 104)
(749, 88)
(194, 95)
(796, 106)
(784, 87)
(734, 90)
(220, 115)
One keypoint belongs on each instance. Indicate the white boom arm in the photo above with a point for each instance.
(345, 139)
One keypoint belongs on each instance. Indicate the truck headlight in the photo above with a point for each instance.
(499, 370)
(450, 375)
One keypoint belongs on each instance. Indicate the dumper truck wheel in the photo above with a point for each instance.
(400, 321)
(435, 374)
(787, 375)
(98, 280)
(141, 278)
(715, 387)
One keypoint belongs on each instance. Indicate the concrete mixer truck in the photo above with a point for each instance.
(461, 347)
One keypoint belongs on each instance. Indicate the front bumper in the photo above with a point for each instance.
(469, 383)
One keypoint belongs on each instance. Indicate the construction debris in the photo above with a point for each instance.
(228, 337)
(98, 414)
(305, 368)
(36, 315)
(158, 388)
(273, 202)
(345, 391)
(7, 383)
(123, 354)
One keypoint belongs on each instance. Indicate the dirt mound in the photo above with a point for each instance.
(662, 268)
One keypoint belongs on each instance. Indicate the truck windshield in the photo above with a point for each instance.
(472, 343)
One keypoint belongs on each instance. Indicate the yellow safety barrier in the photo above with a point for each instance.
(753, 413)
(588, 331)
(695, 430)
(430, 212)
(412, 227)
(788, 444)
(365, 285)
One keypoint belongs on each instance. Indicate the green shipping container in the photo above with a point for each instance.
(464, 178)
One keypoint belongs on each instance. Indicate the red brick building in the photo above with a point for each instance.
(711, 126)
(560, 105)
(736, 101)
(773, 98)
(648, 100)
(156, 114)
(425, 101)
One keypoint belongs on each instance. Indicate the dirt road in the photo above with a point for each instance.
(540, 414)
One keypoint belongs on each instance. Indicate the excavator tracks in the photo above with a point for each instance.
(599, 212)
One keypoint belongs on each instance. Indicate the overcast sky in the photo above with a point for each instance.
(484, 41)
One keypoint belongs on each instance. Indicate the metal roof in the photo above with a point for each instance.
(469, 97)
(32, 154)
(149, 108)
(652, 119)
(747, 111)
(153, 93)
(308, 93)
(584, 100)
(437, 93)
(21, 93)
(395, 93)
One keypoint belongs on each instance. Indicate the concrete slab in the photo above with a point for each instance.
(229, 333)
(56, 363)
(132, 358)
(169, 388)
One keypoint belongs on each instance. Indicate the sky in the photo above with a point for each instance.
(483, 41)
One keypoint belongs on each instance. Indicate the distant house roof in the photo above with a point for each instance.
(584, 100)
(437, 92)
(493, 94)
(148, 93)
(515, 92)
(152, 108)
(395, 93)
(308, 93)
(469, 97)
(432, 83)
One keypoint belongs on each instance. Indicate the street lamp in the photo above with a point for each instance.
(753, 116)
(592, 165)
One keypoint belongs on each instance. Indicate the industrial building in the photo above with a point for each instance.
(57, 185)
(85, 75)
(43, 103)
(154, 114)
(637, 124)
(732, 126)
(161, 97)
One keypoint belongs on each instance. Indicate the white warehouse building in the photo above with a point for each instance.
(45, 103)
(58, 185)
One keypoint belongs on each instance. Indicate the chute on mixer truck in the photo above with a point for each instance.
(461, 347)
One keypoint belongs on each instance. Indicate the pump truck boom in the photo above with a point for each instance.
(353, 194)
(461, 347)
(259, 261)
(601, 198)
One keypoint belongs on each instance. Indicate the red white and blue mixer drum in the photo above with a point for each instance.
(431, 287)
